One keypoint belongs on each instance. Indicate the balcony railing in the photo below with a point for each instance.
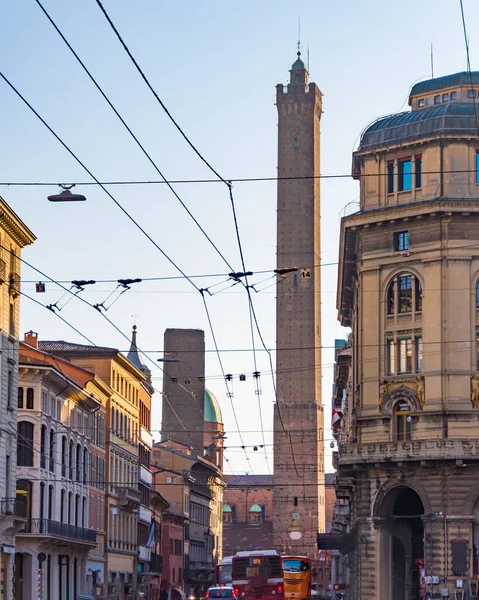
(128, 498)
(8, 506)
(413, 450)
(57, 529)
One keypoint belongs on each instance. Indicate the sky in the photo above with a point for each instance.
(215, 66)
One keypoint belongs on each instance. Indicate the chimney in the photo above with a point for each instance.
(31, 338)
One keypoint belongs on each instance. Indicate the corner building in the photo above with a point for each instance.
(408, 463)
(299, 495)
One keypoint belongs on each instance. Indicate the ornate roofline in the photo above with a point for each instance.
(14, 226)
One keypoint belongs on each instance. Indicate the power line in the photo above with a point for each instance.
(150, 87)
(230, 179)
(466, 42)
(140, 145)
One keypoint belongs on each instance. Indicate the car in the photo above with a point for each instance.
(220, 592)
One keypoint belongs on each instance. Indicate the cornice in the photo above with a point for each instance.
(14, 226)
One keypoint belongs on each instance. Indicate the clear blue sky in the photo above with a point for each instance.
(215, 65)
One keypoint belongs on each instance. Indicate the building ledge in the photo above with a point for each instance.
(414, 450)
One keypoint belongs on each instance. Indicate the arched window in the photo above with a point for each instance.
(50, 502)
(83, 512)
(62, 506)
(24, 498)
(25, 433)
(255, 514)
(70, 501)
(78, 462)
(20, 397)
(71, 459)
(85, 466)
(403, 420)
(227, 513)
(64, 456)
(43, 447)
(477, 290)
(295, 143)
(30, 395)
(51, 451)
(404, 294)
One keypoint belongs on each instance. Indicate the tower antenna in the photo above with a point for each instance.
(299, 35)
(432, 61)
(309, 70)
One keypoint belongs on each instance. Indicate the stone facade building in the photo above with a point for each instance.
(14, 236)
(408, 461)
(298, 416)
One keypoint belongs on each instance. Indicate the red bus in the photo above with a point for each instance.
(223, 572)
(258, 575)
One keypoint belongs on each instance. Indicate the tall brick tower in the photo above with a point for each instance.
(298, 421)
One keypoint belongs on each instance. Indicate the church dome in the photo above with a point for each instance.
(212, 408)
(227, 508)
(298, 65)
(256, 508)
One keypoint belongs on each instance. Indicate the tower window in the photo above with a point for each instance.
(404, 294)
(471, 93)
(421, 102)
(401, 241)
(453, 95)
(296, 143)
(390, 177)
(437, 99)
(477, 166)
(404, 175)
(445, 97)
(404, 355)
(418, 171)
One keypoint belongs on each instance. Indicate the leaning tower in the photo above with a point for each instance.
(298, 421)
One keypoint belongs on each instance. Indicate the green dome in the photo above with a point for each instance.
(212, 408)
(227, 508)
(256, 508)
(298, 65)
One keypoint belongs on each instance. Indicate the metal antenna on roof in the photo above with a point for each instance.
(432, 61)
(299, 35)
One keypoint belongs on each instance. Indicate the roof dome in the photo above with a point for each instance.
(454, 119)
(256, 508)
(227, 508)
(212, 408)
(298, 64)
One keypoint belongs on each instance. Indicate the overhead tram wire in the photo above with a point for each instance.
(212, 169)
(468, 62)
(128, 339)
(152, 90)
(140, 145)
(230, 179)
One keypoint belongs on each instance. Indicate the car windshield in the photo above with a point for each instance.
(221, 593)
(295, 565)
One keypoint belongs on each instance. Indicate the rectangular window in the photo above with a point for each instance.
(418, 354)
(418, 171)
(471, 93)
(392, 357)
(405, 293)
(401, 241)
(404, 175)
(390, 177)
(421, 102)
(477, 166)
(437, 99)
(445, 97)
(453, 95)
(10, 389)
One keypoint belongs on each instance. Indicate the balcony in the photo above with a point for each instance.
(144, 514)
(404, 451)
(144, 553)
(10, 507)
(145, 476)
(128, 498)
(146, 437)
(57, 530)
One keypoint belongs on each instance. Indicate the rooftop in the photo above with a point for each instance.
(441, 83)
(453, 119)
(62, 346)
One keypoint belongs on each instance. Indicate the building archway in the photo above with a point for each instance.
(400, 543)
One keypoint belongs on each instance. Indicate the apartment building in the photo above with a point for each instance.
(54, 439)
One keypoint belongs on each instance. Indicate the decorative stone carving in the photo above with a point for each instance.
(475, 391)
(412, 390)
